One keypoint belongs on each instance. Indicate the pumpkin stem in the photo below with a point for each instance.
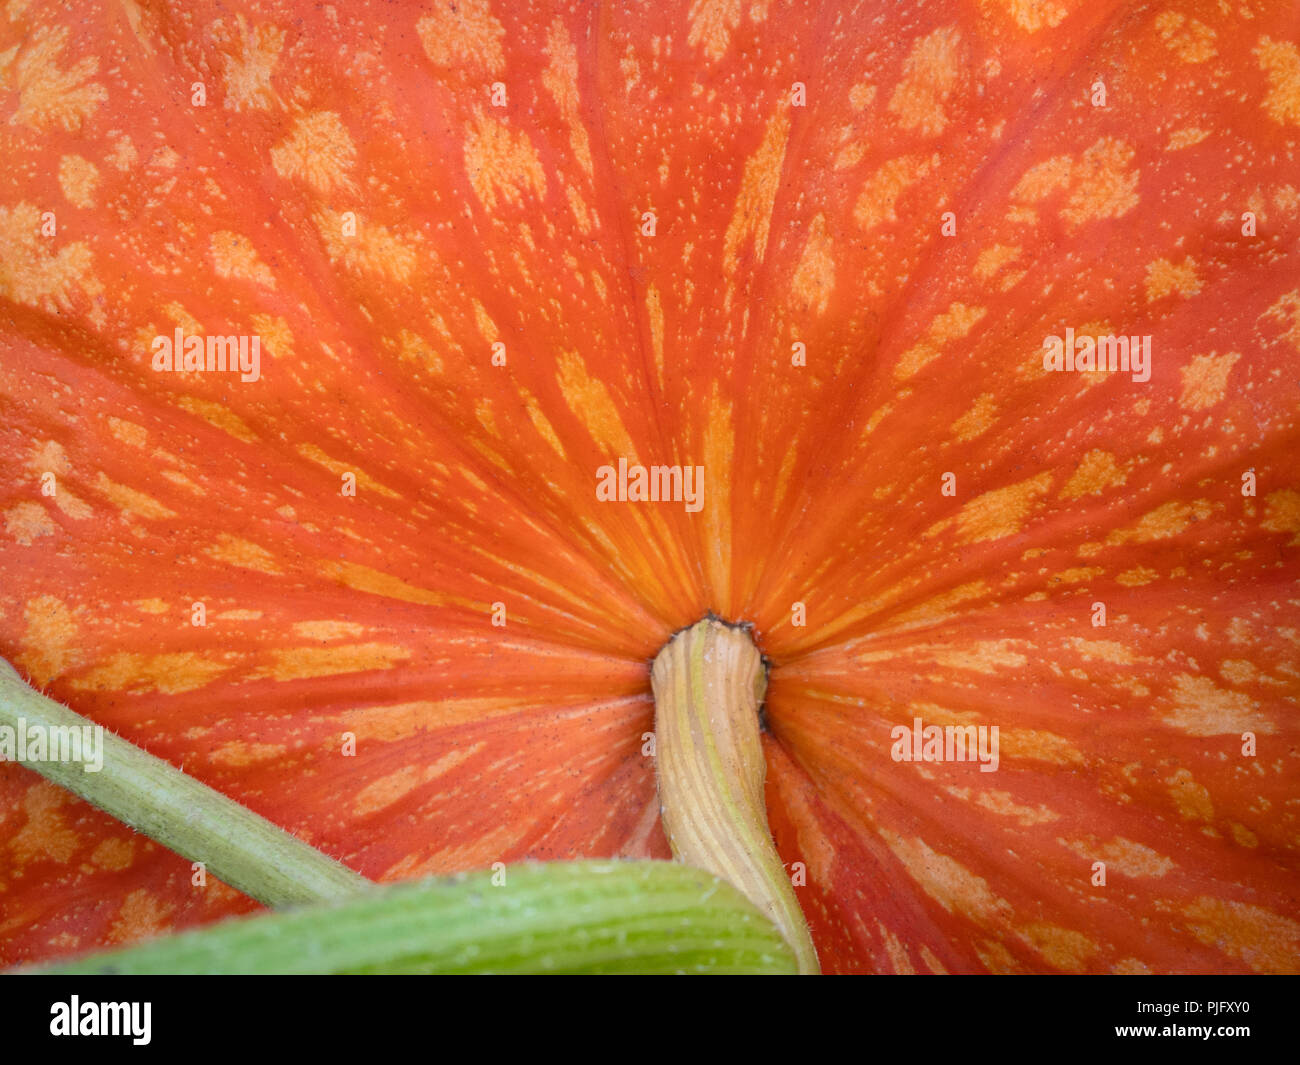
(557, 917)
(708, 682)
(236, 846)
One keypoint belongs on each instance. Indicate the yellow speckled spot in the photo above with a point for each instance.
(591, 404)
(1189, 39)
(752, 217)
(712, 23)
(1243, 836)
(898, 957)
(1136, 577)
(655, 316)
(1282, 513)
(1192, 799)
(48, 455)
(1186, 138)
(1124, 856)
(1103, 183)
(719, 454)
(1205, 380)
(861, 96)
(241, 753)
(374, 249)
(365, 579)
(277, 339)
(1039, 746)
(850, 155)
(561, 81)
(986, 656)
(583, 215)
(1102, 651)
(878, 199)
(413, 348)
(1286, 311)
(1238, 671)
(463, 33)
(27, 522)
(1030, 15)
(140, 673)
(1097, 471)
(32, 273)
(479, 853)
(977, 420)
(543, 427)
(501, 166)
(243, 553)
(953, 324)
(129, 501)
(123, 155)
(45, 836)
(814, 280)
(1043, 179)
(328, 630)
(1078, 574)
(1280, 60)
(1001, 511)
(996, 958)
(78, 178)
(1264, 940)
(1061, 948)
(993, 259)
(113, 854)
(142, 916)
(238, 615)
(1168, 520)
(319, 151)
(234, 256)
(389, 789)
(400, 721)
(128, 433)
(299, 663)
(215, 414)
(152, 606)
(250, 62)
(1203, 709)
(929, 76)
(178, 314)
(940, 607)
(1003, 804)
(948, 882)
(1164, 279)
(50, 96)
(50, 642)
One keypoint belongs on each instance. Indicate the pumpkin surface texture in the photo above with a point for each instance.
(391, 585)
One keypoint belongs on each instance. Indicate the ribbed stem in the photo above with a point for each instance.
(562, 917)
(236, 846)
(708, 682)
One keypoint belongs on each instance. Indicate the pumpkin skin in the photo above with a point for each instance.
(775, 225)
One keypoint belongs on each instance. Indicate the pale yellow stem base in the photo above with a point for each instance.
(708, 683)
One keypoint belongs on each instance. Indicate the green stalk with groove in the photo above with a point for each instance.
(561, 917)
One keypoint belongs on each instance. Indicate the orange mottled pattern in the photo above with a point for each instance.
(489, 247)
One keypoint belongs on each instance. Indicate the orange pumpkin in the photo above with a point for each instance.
(489, 248)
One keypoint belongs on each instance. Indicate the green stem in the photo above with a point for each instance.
(708, 681)
(237, 846)
(562, 917)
